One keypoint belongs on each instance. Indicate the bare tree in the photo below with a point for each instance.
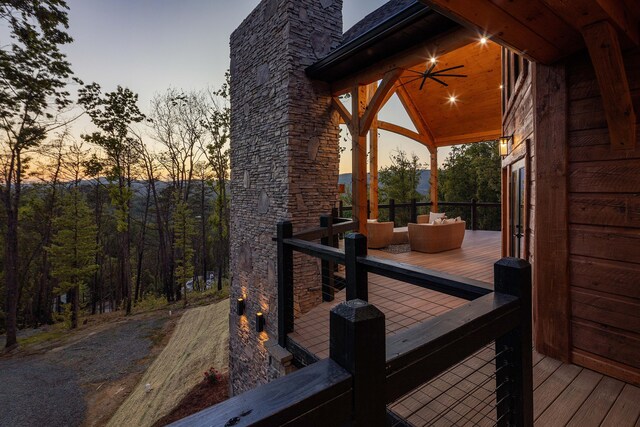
(177, 121)
(165, 253)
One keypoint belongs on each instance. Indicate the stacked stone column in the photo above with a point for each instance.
(284, 165)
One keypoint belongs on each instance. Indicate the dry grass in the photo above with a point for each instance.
(199, 341)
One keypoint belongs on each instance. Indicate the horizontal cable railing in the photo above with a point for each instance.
(477, 218)
(367, 374)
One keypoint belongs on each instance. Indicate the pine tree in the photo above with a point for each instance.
(73, 249)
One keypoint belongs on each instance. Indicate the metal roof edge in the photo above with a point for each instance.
(394, 23)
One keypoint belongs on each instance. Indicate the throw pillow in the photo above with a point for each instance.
(436, 215)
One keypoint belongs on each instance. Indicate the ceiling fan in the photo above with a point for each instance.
(435, 75)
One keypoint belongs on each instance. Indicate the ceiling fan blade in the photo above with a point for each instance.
(437, 80)
(421, 76)
(449, 75)
(450, 68)
(424, 79)
(414, 71)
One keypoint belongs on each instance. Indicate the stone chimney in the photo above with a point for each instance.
(284, 166)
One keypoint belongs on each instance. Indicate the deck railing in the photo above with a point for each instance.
(366, 371)
(413, 208)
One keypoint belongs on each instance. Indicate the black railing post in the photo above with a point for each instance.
(355, 245)
(327, 266)
(336, 238)
(340, 209)
(474, 214)
(514, 377)
(392, 211)
(285, 283)
(368, 208)
(414, 211)
(357, 343)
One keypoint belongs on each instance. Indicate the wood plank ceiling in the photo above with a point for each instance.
(475, 114)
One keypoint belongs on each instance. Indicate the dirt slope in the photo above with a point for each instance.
(199, 341)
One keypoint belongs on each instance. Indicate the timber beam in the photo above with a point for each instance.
(490, 135)
(582, 13)
(373, 154)
(606, 56)
(408, 133)
(345, 115)
(359, 98)
(387, 86)
(433, 179)
(414, 114)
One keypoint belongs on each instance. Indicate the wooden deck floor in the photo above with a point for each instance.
(564, 394)
(404, 304)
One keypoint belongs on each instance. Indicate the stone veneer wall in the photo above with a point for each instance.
(284, 164)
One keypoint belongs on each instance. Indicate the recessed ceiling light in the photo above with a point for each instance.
(452, 99)
(433, 59)
(483, 40)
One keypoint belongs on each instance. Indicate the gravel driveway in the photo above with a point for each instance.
(47, 389)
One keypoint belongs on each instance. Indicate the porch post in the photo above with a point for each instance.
(433, 180)
(373, 159)
(359, 159)
(357, 343)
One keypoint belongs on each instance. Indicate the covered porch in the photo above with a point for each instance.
(448, 86)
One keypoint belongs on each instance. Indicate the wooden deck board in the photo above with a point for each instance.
(569, 401)
(544, 369)
(626, 410)
(551, 388)
(598, 404)
(564, 394)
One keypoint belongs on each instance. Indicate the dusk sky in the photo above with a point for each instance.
(151, 45)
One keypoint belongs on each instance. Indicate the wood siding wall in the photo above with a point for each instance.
(517, 120)
(604, 229)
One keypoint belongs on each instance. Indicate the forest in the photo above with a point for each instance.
(136, 208)
(470, 171)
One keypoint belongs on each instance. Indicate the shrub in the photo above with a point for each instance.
(212, 376)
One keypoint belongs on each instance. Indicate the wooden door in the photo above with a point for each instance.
(517, 210)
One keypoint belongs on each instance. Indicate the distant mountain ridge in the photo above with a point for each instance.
(423, 186)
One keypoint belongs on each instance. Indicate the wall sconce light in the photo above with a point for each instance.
(503, 145)
(240, 306)
(259, 322)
